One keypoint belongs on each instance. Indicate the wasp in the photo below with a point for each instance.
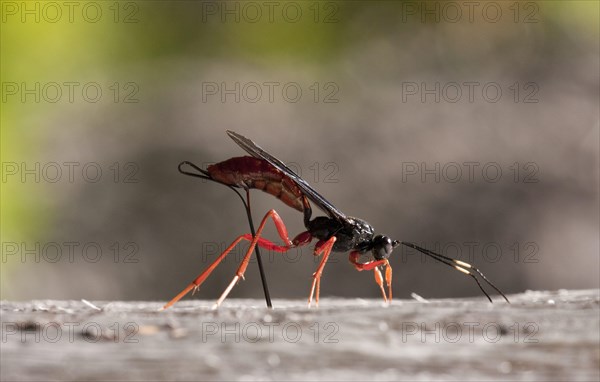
(335, 232)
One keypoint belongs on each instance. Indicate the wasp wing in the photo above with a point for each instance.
(254, 150)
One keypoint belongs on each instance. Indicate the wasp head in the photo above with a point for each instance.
(383, 247)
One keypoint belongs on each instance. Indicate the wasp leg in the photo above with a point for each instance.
(254, 241)
(354, 255)
(379, 281)
(388, 279)
(322, 247)
(301, 239)
(374, 265)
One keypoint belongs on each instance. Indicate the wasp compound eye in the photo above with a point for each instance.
(382, 247)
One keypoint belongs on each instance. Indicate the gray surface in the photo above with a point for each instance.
(543, 336)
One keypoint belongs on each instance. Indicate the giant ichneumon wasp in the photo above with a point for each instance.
(335, 232)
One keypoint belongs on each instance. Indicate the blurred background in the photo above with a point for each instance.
(471, 129)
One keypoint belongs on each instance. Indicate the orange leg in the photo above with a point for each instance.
(379, 281)
(281, 229)
(354, 255)
(325, 248)
(388, 279)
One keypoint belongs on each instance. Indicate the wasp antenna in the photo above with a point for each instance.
(482, 276)
(460, 266)
(467, 265)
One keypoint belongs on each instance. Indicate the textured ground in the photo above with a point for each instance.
(540, 336)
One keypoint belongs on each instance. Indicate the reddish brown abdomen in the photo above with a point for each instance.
(249, 172)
